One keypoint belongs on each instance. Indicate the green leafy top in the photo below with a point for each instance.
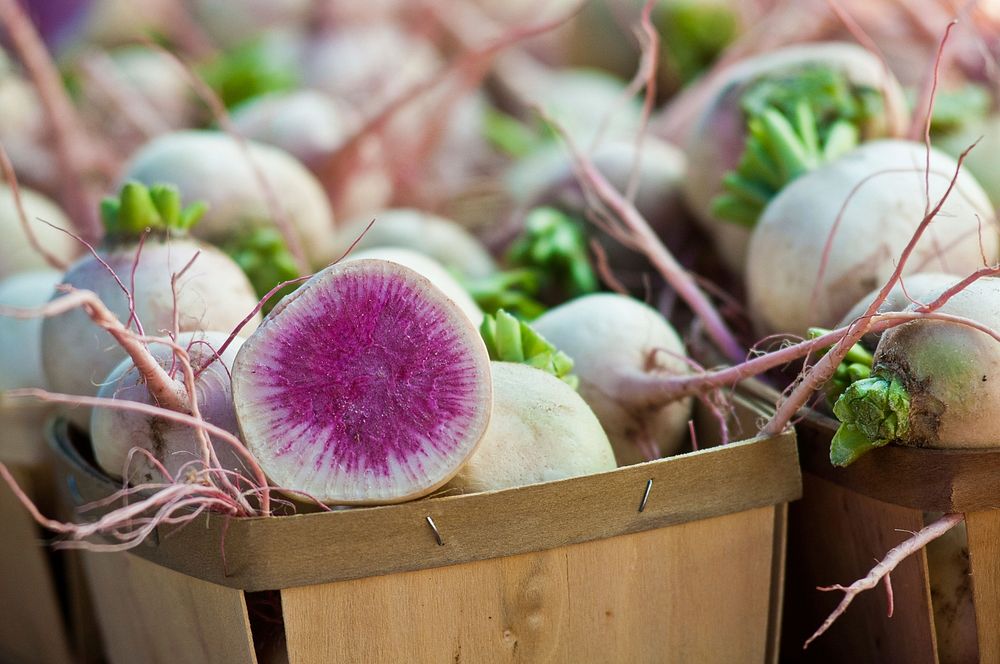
(694, 34)
(509, 135)
(549, 261)
(873, 412)
(856, 365)
(795, 124)
(953, 109)
(511, 340)
(263, 255)
(554, 243)
(248, 71)
(139, 207)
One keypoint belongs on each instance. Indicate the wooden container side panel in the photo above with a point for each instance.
(695, 592)
(984, 557)
(837, 536)
(32, 628)
(151, 614)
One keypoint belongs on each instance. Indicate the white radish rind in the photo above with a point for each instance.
(367, 385)
(934, 383)
(116, 432)
(610, 337)
(16, 252)
(547, 178)
(717, 140)
(213, 294)
(541, 431)
(871, 201)
(982, 160)
(440, 238)
(306, 124)
(919, 287)
(428, 268)
(212, 167)
(21, 360)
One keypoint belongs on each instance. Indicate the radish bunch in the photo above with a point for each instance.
(149, 273)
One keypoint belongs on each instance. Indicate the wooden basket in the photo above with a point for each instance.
(565, 571)
(41, 591)
(850, 517)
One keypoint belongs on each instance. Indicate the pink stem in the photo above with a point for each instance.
(72, 144)
(167, 392)
(11, 177)
(648, 242)
(646, 389)
(174, 416)
(822, 371)
(277, 210)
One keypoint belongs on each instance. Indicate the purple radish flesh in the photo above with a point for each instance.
(367, 385)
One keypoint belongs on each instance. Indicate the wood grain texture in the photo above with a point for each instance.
(836, 536)
(36, 630)
(32, 628)
(779, 558)
(983, 530)
(149, 614)
(931, 480)
(695, 592)
(306, 549)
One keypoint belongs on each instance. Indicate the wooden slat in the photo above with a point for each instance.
(779, 550)
(696, 592)
(36, 630)
(150, 614)
(984, 555)
(931, 480)
(31, 627)
(836, 536)
(269, 553)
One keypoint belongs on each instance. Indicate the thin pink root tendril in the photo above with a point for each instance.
(881, 571)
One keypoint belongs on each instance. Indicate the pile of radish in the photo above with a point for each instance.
(351, 258)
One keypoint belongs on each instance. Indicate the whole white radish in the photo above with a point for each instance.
(22, 132)
(981, 161)
(17, 254)
(774, 116)
(440, 238)
(934, 383)
(366, 385)
(21, 363)
(429, 269)
(115, 433)
(541, 430)
(212, 293)
(589, 105)
(253, 19)
(146, 79)
(311, 126)
(211, 166)
(660, 169)
(870, 201)
(368, 65)
(307, 124)
(918, 287)
(610, 337)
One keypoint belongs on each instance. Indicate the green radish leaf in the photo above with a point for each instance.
(873, 412)
(508, 338)
(511, 340)
(138, 207)
(794, 124)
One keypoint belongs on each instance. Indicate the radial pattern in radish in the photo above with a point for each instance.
(366, 385)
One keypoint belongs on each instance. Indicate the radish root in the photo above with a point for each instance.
(892, 559)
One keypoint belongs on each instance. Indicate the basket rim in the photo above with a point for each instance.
(268, 553)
